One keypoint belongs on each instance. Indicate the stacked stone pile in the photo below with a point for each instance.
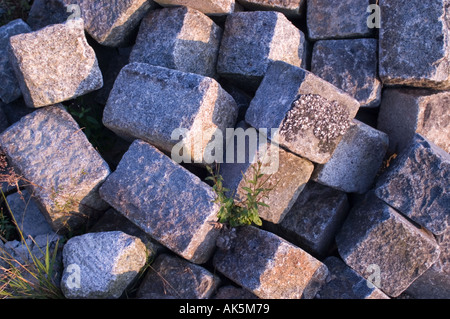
(351, 119)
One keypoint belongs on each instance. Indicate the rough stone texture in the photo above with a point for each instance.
(150, 102)
(290, 8)
(337, 19)
(416, 184)
(412, 52)
(10, 89)
(179, 38)
(404, 112)
(314, 219)
(111, 23)
(375, 235)
(46, 12)
(143, 188)
(356, 160)
(287, 173)
(112, 220)
(252, 40)
(269, 266)
(351, 65)
(19, 254)
(27, 214)
(435, 282)
(209, 7)
(63, 170)
(344, 283)
(54, 64)
(232, 292)
(311, 114)
(106, 264)
(175, 278)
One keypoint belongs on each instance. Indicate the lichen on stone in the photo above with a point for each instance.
(327, 119)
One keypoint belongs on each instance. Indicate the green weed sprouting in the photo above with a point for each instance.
(241, 211)
(35, 280)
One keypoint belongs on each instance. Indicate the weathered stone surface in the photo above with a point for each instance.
(269, 266)
(27, 214)
(54, 64)
(150, 103)
(416, 184)
(46, 12)
(62, 168)
(314, 219)
(435, 282)
(290, 8)
(404, 112)
(232, 292)
(168, 202)
(351, 65)
(335, 20)
(111, 23)
(101, 265)
(113, 220)
(10, 89)
(18, 252)
(286, 173)
(412, 52)
(209, 7)
(311, 114)
(179, 38)
(252, 40)
(173, 277)
(344, 283)
(356, 160)
(375, 237)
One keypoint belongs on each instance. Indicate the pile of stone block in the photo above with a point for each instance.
(350, 121)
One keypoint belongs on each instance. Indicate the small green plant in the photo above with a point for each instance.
(243, 210)
(34, 280)
(14, 9)
(7, 228)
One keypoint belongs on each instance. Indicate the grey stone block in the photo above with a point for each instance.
(344, 283)
(232, 292)
(356, 160)
(10, 89)
(3, 119)
(351, 65)
(209, 7)
(286, 173)
(414, 53)
(269, 266)
(384, 247)
(101, 265)
(27, 214)
(335, 20)
(435, 282)
(252, 40)
(179, 38)
(46, 12)
(290, 8)
(59, 165)
(311, 114)
(168, 202)
(175, 278)
(150, 103)
(113, 220)
(314, 219)
(111, 23)
(54, 64)
(416, 184)
(404, 112)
